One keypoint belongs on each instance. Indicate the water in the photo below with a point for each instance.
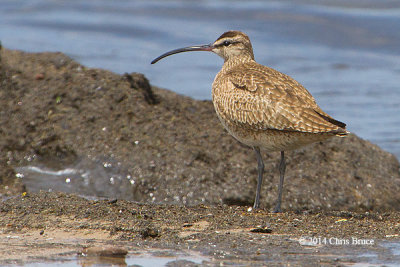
(389, 256)
(143, 259)
(86, 177)
(347, 53)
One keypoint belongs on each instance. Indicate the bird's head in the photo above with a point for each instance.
(233, 44)
(230, 45)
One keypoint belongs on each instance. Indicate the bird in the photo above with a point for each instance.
(262, 107)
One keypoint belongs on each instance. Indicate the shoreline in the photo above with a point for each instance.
(64, 224)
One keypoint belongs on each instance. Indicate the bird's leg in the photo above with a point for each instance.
(260, 177)
(282, 167)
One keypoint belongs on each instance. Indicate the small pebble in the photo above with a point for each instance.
(261, 229)
(113, 201)
(149, 232)
(39, 76)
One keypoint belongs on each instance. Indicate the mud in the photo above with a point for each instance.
(193, 182)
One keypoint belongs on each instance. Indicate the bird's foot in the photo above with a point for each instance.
(277, 209)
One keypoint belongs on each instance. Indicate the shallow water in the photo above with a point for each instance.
(144, 259)
(389, 256)
(85, 177)
(347, 53)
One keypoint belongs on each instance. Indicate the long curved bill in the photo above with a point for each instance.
(208, 47)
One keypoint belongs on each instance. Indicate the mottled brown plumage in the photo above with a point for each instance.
(261, 107)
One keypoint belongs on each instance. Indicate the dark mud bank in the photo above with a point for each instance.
(54, 109)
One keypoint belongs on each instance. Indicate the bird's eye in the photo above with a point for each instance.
(226, 43)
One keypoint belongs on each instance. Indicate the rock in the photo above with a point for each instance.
(107, 251)
(9, 184)
(149, 231)
(182, 263)
(39, 76)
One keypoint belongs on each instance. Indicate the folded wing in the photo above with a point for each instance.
(262, 98)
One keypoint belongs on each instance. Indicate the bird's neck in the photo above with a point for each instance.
(235, 61)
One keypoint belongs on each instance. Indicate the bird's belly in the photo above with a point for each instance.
(272, 140)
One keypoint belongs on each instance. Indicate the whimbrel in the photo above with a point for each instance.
(261, 107)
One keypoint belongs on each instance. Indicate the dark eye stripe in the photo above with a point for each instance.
(226, 43)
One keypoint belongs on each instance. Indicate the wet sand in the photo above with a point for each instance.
(193, 182)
